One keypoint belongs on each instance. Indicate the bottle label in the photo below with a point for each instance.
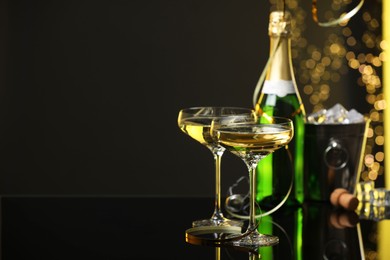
(280, 87)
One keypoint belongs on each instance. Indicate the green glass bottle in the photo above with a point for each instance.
(279, 96)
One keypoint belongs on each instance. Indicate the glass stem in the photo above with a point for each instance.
(218, 152)
(252, 165)
(252, 192)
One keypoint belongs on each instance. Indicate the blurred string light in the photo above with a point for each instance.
(319, 67)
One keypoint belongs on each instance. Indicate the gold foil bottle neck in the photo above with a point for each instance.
(279, 23)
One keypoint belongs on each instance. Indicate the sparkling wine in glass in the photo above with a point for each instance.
(196, 122)
(251, 140)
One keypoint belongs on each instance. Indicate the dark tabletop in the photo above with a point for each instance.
(154, 228)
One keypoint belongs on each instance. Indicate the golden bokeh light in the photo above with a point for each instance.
(379, 156)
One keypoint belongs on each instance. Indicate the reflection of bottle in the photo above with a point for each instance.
(280, 97)
(287, 224)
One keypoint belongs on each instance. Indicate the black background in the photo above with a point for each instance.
(91, 89)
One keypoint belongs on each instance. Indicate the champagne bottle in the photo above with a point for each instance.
(279, 96)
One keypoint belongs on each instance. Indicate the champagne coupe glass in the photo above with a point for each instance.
(196, 122)
(252, 139)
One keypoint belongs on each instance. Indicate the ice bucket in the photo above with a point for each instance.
(333, 158)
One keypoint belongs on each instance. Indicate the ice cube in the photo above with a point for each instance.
(336, 114)
(354, 117)
(317, 117)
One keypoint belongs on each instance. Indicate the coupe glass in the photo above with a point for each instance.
(196, 122)
(252, 139)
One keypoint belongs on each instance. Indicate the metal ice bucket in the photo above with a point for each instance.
(333, 158)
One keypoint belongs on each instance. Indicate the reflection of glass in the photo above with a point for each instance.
(250, 140)
(196, 122)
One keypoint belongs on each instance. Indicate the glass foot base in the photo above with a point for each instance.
(217, 222)
(255, 239)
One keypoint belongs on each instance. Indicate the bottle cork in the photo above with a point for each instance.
(342, 198)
